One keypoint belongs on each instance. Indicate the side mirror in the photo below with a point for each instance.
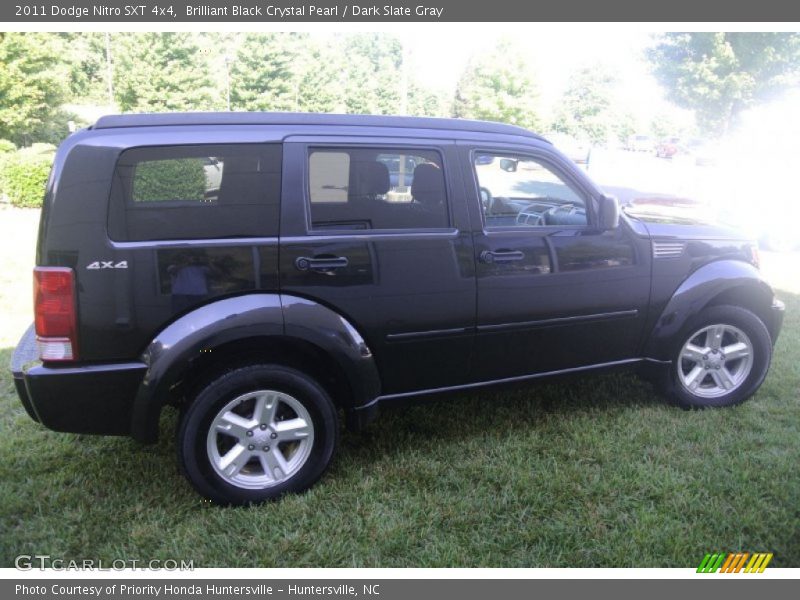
(508, 164)
(609, 212)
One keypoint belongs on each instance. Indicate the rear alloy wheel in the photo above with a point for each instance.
(256, 433)
(723, 359)
(260, 439)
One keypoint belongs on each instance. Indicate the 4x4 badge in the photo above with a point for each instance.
(108, 264)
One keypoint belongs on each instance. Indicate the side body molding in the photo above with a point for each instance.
(275, 316)
(698, 290)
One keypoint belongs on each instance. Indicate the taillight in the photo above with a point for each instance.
(55, 311)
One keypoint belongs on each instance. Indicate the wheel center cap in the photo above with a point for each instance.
(261, 436)
(715, 360)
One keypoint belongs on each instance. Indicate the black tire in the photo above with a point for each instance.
(193, 433)
(761, 344)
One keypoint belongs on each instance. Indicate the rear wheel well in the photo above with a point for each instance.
(297, 354)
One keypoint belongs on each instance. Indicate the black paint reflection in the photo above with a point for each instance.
(191, 275)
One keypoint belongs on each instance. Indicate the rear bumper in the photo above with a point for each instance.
(77, 399)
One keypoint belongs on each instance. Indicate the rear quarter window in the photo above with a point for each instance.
(196, 192)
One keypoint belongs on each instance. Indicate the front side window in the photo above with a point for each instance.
(376, 188)
(521, 191)
(196, 192)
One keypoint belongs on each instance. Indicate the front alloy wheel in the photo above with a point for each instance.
(715, 360)
(722, 359)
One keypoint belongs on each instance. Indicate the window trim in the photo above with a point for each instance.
(546, 161)
(310, 146)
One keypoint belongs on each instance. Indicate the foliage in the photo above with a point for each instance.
(264, 75)
(24, 173)
(88, 69)
(318, 78)
(498, 85)
(33, 86)
(372, 73)
(624, 125)
(155, 72)
(586, 110)
(718, 75)
(175, 179)
(6, 146)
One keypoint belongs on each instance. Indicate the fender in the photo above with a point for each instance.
(231, 319)
(697, 291)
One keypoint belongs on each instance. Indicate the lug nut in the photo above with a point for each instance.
(250, 447)
(266, 448)
(263, 426)
(273, 435)
(249, 434)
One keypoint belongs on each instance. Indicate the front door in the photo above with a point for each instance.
(554, 291)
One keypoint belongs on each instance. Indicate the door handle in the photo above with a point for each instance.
(304, 263)
(500, 256)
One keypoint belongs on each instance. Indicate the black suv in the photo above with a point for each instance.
(264, 271)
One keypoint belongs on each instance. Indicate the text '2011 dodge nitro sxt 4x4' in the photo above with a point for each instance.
(263, 272)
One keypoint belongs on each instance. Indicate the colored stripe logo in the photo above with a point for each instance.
(735, 562)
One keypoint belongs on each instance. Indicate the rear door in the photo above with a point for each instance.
(377, 230)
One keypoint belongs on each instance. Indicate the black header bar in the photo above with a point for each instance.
(394, 11)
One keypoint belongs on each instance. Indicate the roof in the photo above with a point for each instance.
(275, 118)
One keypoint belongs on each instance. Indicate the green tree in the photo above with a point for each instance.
(88, 70)
(717, 75)
(371, 73)
(498, 85)
(158, 72)
(586, 109)
(265, 73)
(33, 86)
(423, 102)
(319, 86)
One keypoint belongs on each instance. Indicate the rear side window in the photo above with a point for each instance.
(196, 192)
(376, 188)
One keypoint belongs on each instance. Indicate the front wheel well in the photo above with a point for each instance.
(749, 297)
(211, 363)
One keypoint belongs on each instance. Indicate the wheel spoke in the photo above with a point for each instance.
(274, 463)
(233, 424)
(265, 408)
(723, 379)
(714, 337)
(693, 353)
(234, 460)
(736, 351)
(695, 377)
(293, 429)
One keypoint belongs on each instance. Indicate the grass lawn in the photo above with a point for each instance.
(596, 471)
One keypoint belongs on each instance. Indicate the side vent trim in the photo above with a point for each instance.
(668, 249)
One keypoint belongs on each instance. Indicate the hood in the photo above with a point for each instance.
(679, 218)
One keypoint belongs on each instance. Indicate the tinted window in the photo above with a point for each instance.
(376, 188)
(523, 191)
(185, 192)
